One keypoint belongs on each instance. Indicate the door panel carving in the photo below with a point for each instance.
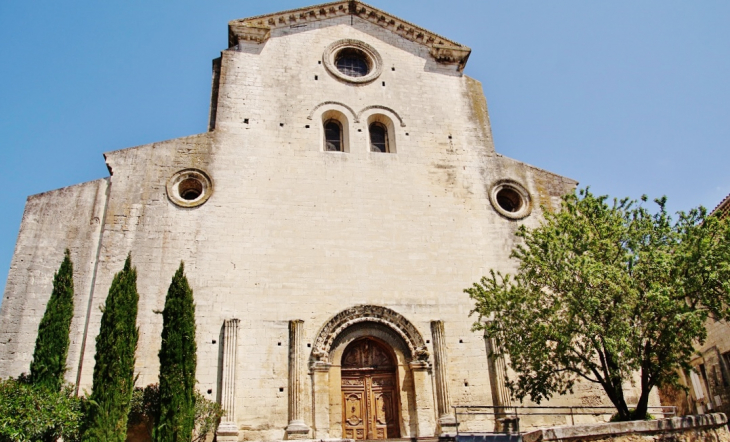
(369, 392)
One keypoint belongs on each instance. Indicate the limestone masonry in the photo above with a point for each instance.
(346, 193)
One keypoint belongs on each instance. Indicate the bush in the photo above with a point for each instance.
(146, 403)
(632, 417)
(33, 413)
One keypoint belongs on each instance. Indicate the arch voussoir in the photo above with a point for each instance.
(368, 313)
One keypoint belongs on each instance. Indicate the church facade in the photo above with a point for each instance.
(346, 192)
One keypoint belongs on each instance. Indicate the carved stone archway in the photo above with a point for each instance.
(368, 313)
(371, 319)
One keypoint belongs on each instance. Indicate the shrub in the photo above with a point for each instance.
(33, 413)
(145, 406)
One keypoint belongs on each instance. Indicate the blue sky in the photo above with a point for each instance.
(628, 97)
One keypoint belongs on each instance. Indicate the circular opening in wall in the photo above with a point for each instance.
(510, 199)
(189, 188)
(352, 61)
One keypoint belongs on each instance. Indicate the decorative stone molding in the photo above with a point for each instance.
(257, 29)
(514, 192)
(247, 32)
(189, 188)
(385, 108)
(367, 313)
(374, 60)
(450, 54)
(335, 103)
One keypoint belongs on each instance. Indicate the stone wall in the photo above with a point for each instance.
(700, 428)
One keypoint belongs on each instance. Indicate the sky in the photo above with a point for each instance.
(627, 97)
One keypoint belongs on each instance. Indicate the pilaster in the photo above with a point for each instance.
(425, 426)
(296, 429)
(497, 375)
(321, 405)
(228, 428)
(446, 420)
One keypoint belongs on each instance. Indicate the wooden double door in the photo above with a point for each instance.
(370, 402)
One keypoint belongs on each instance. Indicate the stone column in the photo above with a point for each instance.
(228, 428)
(321, 399)
(424, 399)
(296, 429)
(497, 376)
(446, 420)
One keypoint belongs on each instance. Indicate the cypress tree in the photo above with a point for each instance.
(176, 419)
(51, 344)
(114, 370)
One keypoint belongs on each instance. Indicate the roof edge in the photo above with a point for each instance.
(723, 209)
(257, 29)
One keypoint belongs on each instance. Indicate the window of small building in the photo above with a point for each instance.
(333, 136)
(378, 138)
(726, 369)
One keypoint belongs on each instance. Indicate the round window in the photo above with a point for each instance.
(189, 188)
(352, 61)
(510, 199)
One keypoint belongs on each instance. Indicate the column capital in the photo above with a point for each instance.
(419, 365)
(320, 366)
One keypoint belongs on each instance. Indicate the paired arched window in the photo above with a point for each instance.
(333, 136)
(380, 133)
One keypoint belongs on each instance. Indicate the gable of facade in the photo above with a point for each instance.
(347, 191)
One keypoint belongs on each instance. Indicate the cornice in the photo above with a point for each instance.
(258, 29)
(723, 209)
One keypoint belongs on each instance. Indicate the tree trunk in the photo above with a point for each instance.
(616, 395)
(641, 408)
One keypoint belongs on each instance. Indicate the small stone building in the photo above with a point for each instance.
(346, 192)
(709, 383)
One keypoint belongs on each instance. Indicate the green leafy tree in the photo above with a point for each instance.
(176, 419)
(114, 370)
(51, 345)
(606, 290)
(32, 413)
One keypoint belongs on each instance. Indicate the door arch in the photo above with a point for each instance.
(369, 385)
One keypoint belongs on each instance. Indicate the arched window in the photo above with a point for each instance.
(333, 136)
(378, 138)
